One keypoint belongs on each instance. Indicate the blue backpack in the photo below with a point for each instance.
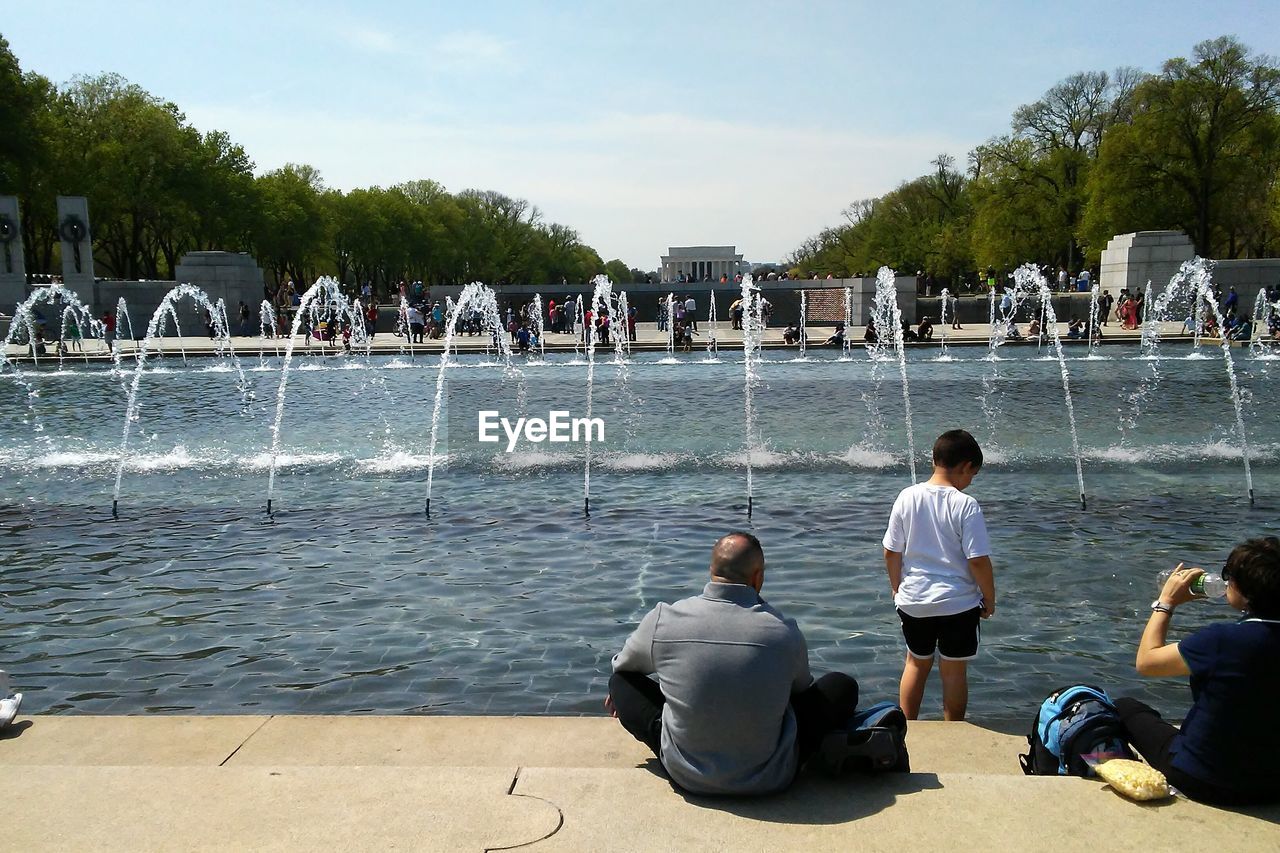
(1073, 722)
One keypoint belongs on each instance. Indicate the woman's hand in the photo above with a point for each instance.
(1177, 589)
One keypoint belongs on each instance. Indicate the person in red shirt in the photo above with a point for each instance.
(108, 327)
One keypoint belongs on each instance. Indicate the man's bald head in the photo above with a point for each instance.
(737, 557)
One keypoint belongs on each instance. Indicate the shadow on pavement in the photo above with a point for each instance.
(815, 798)
(15, 730)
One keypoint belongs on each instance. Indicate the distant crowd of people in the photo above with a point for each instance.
(421, 319)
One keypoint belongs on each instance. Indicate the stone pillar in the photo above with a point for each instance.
(1131, 260)
(77, 247)
(13, 269)
(234, 277)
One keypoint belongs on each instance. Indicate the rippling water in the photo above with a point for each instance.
(508, 601)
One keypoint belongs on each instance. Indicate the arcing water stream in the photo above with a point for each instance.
(889, 321)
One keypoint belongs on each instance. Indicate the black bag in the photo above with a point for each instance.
(875, 739)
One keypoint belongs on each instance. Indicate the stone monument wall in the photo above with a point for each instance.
(1132, 260)
(13, 270)
(783, 295)
(75, 235)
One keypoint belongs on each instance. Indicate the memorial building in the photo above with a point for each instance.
(701, 263)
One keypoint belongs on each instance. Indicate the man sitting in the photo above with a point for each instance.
(925, 332)
(734, 709)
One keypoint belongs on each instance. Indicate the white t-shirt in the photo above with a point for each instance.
(937, 530)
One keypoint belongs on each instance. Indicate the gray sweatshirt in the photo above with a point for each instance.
(727, 663)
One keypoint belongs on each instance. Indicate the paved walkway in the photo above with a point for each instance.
(648, 339)
(545, 783)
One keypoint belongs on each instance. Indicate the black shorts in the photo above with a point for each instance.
(954, 637)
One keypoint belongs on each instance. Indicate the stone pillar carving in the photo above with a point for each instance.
(13, 269)
(77, 247)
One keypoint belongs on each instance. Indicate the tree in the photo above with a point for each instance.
(292, 228)
(618, 272)
(22, 99)
(916, 226)
(1031, 191)
(158, 187)
(29, 116)
(1199, 142)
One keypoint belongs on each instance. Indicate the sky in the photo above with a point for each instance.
(642, 125)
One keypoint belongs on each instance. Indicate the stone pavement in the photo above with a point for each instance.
(540, 783)
(648, 339)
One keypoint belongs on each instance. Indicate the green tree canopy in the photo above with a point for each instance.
(159, 187)
(1199, 154)
(1195, 147)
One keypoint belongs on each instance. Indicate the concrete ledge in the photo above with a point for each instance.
(105, 741)
(252, 808)
(556, 783)
(638, 810)
(442, 741)
(400, 741)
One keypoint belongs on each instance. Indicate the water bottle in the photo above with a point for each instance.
(1208, 585)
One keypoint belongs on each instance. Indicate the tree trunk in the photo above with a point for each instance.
(1203, 223)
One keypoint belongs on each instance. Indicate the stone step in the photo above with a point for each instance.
(263, 808)
(406, 741)
(557, 783)
(639, 810)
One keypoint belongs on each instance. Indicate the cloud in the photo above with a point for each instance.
(371, 39)
(463, 50)
(470, 47)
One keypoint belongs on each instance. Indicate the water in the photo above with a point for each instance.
(624, 316)
(159, 330)
(535, 321)
(477, 298)
(508, 601)
(997, 332)
(752, 332)
(848, 323)
(804, 301)
(154, 332)
(1263, 312)
(600, 300)
(713, 344)
(618, 329)
(405, 326)
(1192, 283)
(671, 325)
(1029, 279)
(579, 321)
(944, 298)
(267, 330)
(889, 317)
(1094, 325)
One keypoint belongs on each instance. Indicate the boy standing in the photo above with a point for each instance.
(939, 565)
